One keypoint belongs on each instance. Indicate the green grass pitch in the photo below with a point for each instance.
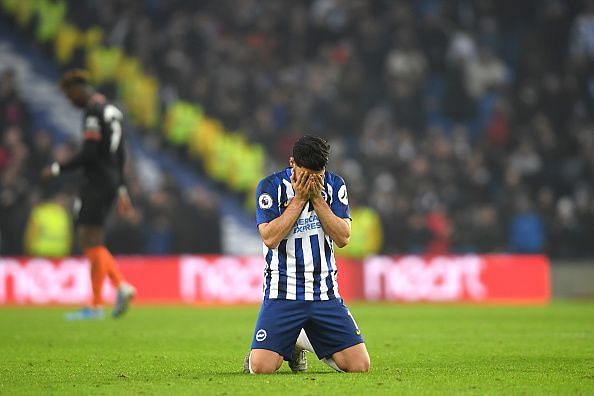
(415, 349)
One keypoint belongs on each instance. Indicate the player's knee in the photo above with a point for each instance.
(261, 366)
(363, 365)
(90, 236)
(358, 366)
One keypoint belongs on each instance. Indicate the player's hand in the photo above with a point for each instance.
(50, 171)
(300, 185)
(316, 185)
(124, 207)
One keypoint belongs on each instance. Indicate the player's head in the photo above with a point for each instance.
(76, 87)
(310, 153)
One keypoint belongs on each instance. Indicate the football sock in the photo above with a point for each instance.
(102, 264)
(303, 342)
(250, 364)
(111, 267)
(98, 272)
(330, 362)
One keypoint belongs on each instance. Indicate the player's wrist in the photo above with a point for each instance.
(301, 201)
(316, 203)
(55, 169)
(318, 197)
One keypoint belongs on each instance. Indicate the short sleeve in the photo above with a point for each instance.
(267, 207)
(340, 199)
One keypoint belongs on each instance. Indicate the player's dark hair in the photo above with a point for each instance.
(311, 152)
(74, 77)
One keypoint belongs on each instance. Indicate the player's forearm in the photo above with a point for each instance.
(337, 228)
(75, 162)
(274, 232)
(88, 154)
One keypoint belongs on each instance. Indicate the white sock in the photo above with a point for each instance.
(126, 287)
(303, 342)
(330, 362)
(250, 363)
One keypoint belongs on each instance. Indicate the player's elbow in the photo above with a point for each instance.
(343, 234)
(269, 237)
(342, 241)
(271, 243)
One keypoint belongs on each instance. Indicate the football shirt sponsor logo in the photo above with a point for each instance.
(307, 224)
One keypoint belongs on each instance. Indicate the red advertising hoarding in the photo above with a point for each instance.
(236, 280)
(486, 278)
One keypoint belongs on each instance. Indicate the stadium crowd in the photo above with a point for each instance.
(466, 124)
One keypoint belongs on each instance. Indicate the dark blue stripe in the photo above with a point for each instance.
(282, 269)
(329, 283)
(268, 272)
(317, 262)
(299, 269)
(283, 196)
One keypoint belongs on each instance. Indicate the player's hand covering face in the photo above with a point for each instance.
(313, 182)
(316, 185)
(300, 183)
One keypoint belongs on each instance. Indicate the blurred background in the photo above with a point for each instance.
(459, 126)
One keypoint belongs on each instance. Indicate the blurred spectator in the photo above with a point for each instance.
(484, 73)
(13, 111)
(14, 210)
(158, 237)
(582, 40)
(487, 236)
(198, 224)
(525, 161)
(526, 234)
(440, 227)
(49, 229)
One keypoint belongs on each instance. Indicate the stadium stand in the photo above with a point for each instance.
(454, 121)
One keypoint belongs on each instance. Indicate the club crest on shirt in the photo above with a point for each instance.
(261, 335)
(343, 195)
(265, 201)
(92, 123)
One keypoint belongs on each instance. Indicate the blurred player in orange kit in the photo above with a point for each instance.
(102, 160)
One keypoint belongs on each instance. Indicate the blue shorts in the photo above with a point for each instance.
(329, 325)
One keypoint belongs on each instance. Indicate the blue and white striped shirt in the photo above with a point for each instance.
(303, 266)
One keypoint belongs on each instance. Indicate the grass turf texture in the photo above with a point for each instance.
(415, 349)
